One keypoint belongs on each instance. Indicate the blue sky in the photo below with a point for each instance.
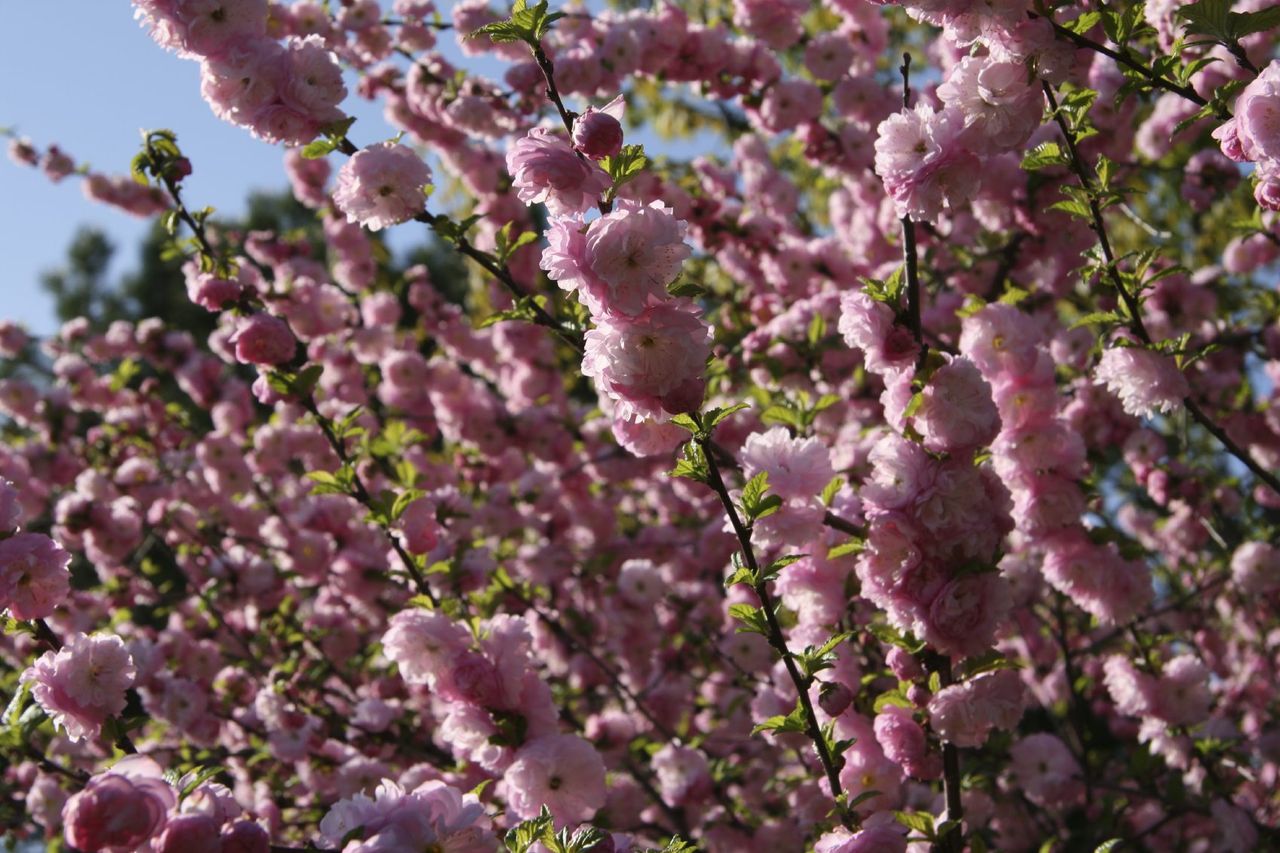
(89, 81)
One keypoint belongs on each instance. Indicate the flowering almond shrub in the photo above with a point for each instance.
(898, 471)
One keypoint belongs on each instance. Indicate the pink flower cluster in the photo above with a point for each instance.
(1040, 458)
(1252, 134)
(133, 807)
(498, 712)
(647, 350)
(433, 816)
(280, 92)
(965, 714)
(934, 529)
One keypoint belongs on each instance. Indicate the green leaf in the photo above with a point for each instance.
(752, 618)
(693, 464)
(1215, 19)
(921, 822)
(525, 834)
(682, 288)
(1109, 845)
(1074, 207)
(685, 421)
(716, 415)
(784, 415)
(830, 490)
(853, 546)
(794, 722)
(753, 494)
(625, 165)
(1044, 155)
(1097, 318)
(318, 148)
(895, 698)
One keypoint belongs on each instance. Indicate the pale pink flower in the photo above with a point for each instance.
(422, 642)
(924, 163)
(651, 365)
(382, 185)
(869, 326)
(635, 252)
(797, 467)
(33, 570)
(198, 28)
(965, 714)
(1043, 768)
(1134, 692)
(1255, 568)
(545, 169)
(433, 816)
(903, 742)
(1182, 695)
(83, 683)
(563, 773)
(956, 412)
(263, 339)
(1146, 382)
(1257, 116)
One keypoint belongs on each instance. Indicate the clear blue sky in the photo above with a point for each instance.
(85, 74)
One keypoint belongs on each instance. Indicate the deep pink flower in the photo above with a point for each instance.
(118, 811)
(264, 339)
(598, 133)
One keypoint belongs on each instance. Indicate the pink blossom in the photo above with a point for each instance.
(562, 772)
(196, 28)
(422, 642)
(903, 742)
(1255, 568)
(598, 133)
(1257, 116)
(1146, 382)
(634, 252)
(83, 683)
(1182, 696)
(965, 714)
(1000, 108)
(433, 815)
(956, 412)
(189, 833)
(923, 162)
(382, 185)
(797, 467)
(118, 811)
(419, 526)
(1133, 691)
(264, 339)
(651, 364)
(33, 568)
(1043, 768)
(545, 169)
(868, 325)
